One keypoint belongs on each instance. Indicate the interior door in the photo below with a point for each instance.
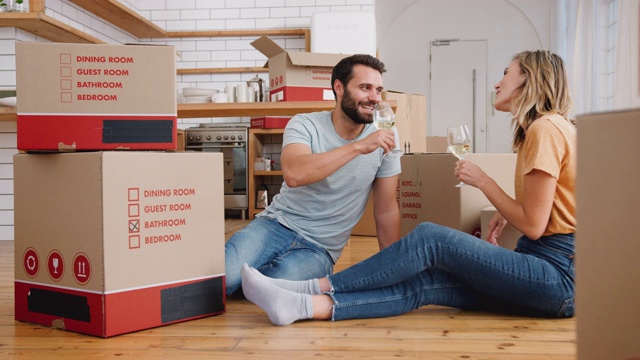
(458, 91)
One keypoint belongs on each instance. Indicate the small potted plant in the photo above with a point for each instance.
(19, 6)
(3, 6)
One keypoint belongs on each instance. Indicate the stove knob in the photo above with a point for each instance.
(197, 137)
(218, 137)
(233, 137)
(239, 137)
(190, 137)
(208, 137)
(226, 137)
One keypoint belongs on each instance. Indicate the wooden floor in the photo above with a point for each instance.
(244, 332)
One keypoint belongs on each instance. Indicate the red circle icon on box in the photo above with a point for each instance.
(31, 262)
(55, 265)
(81, 268)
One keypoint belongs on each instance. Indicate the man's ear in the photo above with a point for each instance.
(338, 87)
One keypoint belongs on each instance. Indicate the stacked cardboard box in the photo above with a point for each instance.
(95, 97)
(411, 120)
(110, 242)
(297, 76)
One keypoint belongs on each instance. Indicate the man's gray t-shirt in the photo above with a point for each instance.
(326, 211)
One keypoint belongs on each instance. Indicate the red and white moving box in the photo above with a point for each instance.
(111, 242)
(270, 122)
(95, 97)
(297, 76)
(427, 190)
(607, 240)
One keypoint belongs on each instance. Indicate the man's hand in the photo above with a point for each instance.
(385, 139)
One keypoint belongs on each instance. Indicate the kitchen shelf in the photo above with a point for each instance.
(123, 17)
(7, 113)
(267, 173)
(47, 27)
(36, 22)
(208, 110)
(255, 109)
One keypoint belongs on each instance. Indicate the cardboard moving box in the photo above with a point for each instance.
(607, 241)
(427, 190)
(95, 97)
(297, 76)
(108, 243)
(411, 120)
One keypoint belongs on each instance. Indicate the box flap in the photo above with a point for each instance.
(315, 59)
(267, 47)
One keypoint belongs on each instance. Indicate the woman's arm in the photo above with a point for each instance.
(532, 216)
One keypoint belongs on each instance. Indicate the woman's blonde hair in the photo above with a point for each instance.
(545, 90)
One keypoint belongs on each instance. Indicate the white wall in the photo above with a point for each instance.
(508, 26)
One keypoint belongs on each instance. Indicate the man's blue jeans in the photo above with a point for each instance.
(274, 250)
(441, 266)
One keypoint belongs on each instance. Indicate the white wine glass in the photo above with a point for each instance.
(385, 119)
(459, 141)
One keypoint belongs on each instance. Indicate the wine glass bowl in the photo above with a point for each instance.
(385, 119)
(459, 141)
(383, 116)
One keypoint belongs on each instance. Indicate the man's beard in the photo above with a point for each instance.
(350, 107)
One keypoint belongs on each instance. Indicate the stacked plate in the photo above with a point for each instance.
(198, 95)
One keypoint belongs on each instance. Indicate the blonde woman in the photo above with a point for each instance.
(441, 266)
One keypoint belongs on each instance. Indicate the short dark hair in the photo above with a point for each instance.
(343, 70)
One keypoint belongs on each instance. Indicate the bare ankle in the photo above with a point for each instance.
(322, 307)
(325, 285)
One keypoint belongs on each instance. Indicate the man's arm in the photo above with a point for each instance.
(386, 211)
(302, 167)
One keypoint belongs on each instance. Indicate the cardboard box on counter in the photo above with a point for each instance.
(508, 238)
(297, 76)
(437, 144)
(270, 122)
(427, 190)
(111, 242)
(95, 97)
(411, 120)
(607, 241)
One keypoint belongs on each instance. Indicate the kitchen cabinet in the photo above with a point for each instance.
(272, 178)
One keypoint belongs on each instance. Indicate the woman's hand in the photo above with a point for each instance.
(470, 173)
(496, 225)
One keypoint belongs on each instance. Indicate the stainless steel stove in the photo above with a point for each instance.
(231, 140)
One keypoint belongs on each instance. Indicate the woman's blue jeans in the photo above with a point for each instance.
(274, 250)
(441, 266)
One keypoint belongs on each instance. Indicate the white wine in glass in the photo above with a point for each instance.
(385, 119)
(459, 141)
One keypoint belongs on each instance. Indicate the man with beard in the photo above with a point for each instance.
(331, 162)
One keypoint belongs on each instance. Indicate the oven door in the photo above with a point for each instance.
(235, 171)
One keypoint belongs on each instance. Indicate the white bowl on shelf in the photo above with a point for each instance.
(8, 101)
(192, 91)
